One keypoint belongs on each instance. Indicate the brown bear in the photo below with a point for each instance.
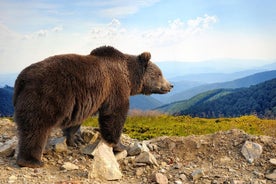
(63, 90)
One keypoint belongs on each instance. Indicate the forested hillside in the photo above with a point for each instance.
(258, 99)
(6, 108)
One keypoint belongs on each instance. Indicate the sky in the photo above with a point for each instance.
(172, 30)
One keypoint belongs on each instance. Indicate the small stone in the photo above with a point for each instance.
(225, 159)
(121, 155)
(144, 147)
(183, 177)
(273, 161)
(163, 164)
(196, 174)
(258, 181)
(69, 166)
(90, 136)
(160, 178)
(12, 179)
(146, 157)
(139, 171)
(251, 151)
(271, 176)
(258, 174)
(237, 181)
(152, 147)
(177, 166)
(135, 149)
(177, 182)
(59, 144)
(88, 150)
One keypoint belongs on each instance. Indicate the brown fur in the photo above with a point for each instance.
(63, 90)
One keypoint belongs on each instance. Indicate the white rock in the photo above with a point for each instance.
(105, 165)
(59, 144)
(160, 178)
(121, 155)
(271, 176)
(183, 177)
(273, 161)
(69, 166)
(7, 148)
(196, 174)
(251, 151)
(139, 171)
(144, 147)
(146, 157)
(12, 179)
(89, 149)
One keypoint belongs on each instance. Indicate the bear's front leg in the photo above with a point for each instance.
(111, 125)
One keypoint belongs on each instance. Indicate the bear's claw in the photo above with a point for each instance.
(119, 147)
(33, 163)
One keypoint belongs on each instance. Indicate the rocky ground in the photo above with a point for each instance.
(232, 157)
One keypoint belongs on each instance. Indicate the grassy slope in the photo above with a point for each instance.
(146, 127)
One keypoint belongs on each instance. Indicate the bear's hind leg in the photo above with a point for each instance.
(31, 146)
(73, 135)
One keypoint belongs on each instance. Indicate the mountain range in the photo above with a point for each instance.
(189, 79)
(238, 83)
(257, 99)
(6, 107)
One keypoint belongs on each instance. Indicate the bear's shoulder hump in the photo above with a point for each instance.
(107, 51)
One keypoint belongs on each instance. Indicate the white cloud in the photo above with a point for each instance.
(191, 40)
(120, 8)
(44, 32)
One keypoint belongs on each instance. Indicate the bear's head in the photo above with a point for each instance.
(153, 80)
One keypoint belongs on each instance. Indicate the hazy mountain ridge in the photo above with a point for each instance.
(143, 102)
(238, 83)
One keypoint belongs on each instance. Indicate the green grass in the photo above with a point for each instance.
(146, 127)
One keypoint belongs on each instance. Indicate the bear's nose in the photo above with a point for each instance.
(171, 85)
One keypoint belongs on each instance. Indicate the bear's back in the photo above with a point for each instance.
(108, 52)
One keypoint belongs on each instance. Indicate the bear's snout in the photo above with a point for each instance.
(171, 86)
(166, 87)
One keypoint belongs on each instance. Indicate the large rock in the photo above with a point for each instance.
(251, 151)
(8, 147)
(105, 165)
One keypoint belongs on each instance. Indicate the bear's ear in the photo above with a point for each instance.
(144, 58)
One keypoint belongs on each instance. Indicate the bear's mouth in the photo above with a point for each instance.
(161, 91)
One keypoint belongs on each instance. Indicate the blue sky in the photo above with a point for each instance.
(172, 30)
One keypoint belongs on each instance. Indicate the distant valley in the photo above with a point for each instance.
(257, 99)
